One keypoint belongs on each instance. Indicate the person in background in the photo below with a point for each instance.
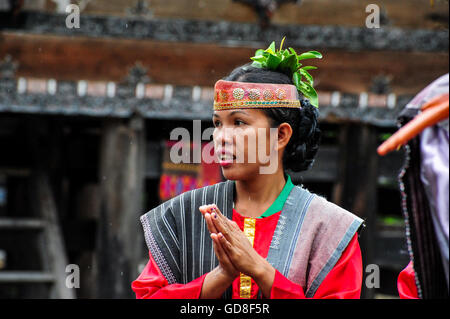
(424, 186)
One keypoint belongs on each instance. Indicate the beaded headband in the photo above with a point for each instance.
(242, 95)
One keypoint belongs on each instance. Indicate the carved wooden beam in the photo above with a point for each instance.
(156, 101)
(238, 34)
(410, 14)
(190, 64)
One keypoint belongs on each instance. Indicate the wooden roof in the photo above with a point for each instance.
(185, 46)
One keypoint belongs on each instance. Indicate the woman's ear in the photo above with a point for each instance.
(284, 135)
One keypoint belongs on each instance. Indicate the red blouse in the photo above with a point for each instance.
(406, 283)
(342, 282)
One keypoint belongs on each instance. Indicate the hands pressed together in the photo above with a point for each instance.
(235, 252)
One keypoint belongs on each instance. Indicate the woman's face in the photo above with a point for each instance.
(244, 143)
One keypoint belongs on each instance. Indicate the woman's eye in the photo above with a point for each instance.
(216, 123)
(239, 122)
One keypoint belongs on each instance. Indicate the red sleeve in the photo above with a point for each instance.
(406, 283)
(151, 284)
(342, 282)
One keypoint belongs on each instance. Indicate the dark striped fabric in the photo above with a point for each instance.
(177, 235)
(309, 238)
(421, 237)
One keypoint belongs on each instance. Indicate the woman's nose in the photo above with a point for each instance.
(223, 135)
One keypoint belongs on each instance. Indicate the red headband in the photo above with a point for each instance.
(241, 95)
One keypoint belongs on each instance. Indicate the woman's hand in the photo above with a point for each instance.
(231, 241)
(225, 264)
(235, 244)
(241, 252)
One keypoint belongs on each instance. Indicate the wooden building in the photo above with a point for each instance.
(85, 112)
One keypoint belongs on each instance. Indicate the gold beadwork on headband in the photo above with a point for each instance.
(238, 93)
(233, 95)
(256, 104)
(223, 95)
(267, 95)
(254, 94)
(281, 94)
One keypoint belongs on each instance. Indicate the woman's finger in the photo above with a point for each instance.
(220, 252)
(209, 223)
(202, 209)
(226, 245)
(205, 209)
(221, 224)
(216, 209)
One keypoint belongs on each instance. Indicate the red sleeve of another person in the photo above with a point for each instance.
(342, 282)
(406, 283)
(151, 284)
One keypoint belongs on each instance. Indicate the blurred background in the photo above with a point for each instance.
(86, 111)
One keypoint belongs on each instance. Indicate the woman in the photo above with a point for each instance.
(255, 235)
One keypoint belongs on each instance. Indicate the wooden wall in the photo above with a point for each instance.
(51, 56)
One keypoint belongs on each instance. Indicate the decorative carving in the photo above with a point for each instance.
(136, 74)
(67, 102)
(8, 67)
(265, 8)
(381, 84)
(224, 32)
(141, 9)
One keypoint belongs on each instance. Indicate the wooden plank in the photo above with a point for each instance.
(21, 223)
(401, 13)
(8, 277)
(16, 172)
(48, 56)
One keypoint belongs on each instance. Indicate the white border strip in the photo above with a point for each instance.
(363, 100)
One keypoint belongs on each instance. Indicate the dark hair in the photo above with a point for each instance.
(304, 143)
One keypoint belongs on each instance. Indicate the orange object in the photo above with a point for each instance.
(433, 112)
(437, 100)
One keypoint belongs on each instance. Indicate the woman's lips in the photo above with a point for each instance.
(225, 163)
(225, 158)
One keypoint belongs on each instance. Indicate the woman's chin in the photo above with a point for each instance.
(227, 171)
(235, 172)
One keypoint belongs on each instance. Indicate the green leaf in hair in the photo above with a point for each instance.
(288, 61)
(310, 55)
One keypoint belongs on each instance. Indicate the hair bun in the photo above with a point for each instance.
(305, 144)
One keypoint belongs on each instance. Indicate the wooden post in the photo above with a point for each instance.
(119, 236)
(356, 189)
